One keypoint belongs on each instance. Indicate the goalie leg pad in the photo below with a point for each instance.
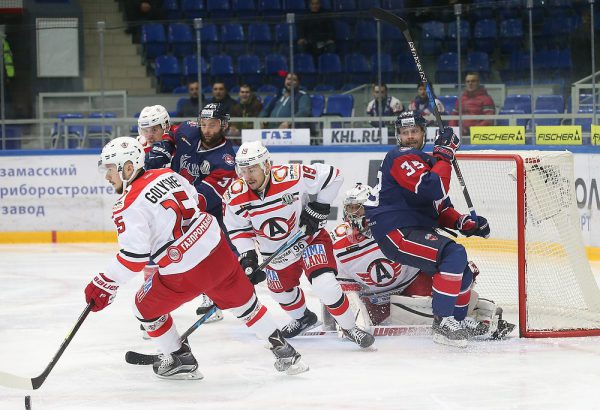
(411, 310)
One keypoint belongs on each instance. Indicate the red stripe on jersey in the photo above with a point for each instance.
(407, 171)
(201, 202)
(360, 254)
(412, 248)
(448, 218)
(340, 310)
(266, 211)
(139, 184)
(132, 266)
(261, 312)
(350, 287)
(168, 136)
(463, 298)
(242, 235)
(163, 329)
(444, 171)
(297, 305)
(447, 284)
(220, 179)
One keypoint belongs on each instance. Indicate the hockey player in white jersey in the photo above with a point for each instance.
(157, 216)
(154, 124)
(270, 203)
(382, 291)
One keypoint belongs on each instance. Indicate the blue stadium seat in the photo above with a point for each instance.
(192, 9)
(181, 38)
(343, 36)
(387, 70)
(282, 35)
(244, 8)
(432, 37)
(267, 88)
(260, 39)
(449, 102)
(392, 40)
(274, 63)
(75, 132)
(479, 61)
(511, 35)
(324, 88)
(340, 104)
(518, 102)
(233, 38)
(304, 65)
(153, 39)
(485, 34)
(506, 122)
(330, 69)
(168, 72)
(545, 121)
(393, 4)
(357, 68)
(249, 70)
(270, 7)
(585, 123)
(517, 68)
(295, 6)
(481, 9)
(407, 70)
(210, 40)
(221, 69)
(171, 9)
(190, 69)
(550, 102)
(365, 34)
(447, 68)
(317, 105)
(218, 8)
(182, 89)
(344, 5)
(97, 135)
(452, 38)
(508, 9)
(14, 133)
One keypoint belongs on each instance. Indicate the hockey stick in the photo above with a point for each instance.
(18, 382)
(384, 15)
(146, 359)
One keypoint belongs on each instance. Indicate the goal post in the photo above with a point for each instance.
(534, 264)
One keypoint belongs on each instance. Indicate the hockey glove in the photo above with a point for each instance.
(249, 262)
(314, 217)
(446, 145)
(159, 156)
(101, 290)
(468, 227)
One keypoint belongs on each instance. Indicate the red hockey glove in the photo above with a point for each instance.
(446, 145)
(101, 290)
(468, 227)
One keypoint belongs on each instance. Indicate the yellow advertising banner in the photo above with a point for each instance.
(558, 135)
(595, 135)
(509, 135)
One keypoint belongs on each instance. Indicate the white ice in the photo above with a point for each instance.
(41, 296)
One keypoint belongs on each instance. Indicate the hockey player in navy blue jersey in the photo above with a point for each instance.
(409, 203)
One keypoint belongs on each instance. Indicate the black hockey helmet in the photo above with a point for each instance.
(410, 119)
(217, 111)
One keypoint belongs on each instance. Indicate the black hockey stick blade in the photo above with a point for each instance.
(18, 382)
(146, 359)
(384, 15)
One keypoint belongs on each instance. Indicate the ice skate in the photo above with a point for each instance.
(205, 305)
(299, 326)
(360, 337)
(179, 365)
(475, 328)
(448, 331)
(288, 359)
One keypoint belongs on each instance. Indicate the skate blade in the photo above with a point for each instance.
(439, 339)
(317, 324)
(297, 368)
(195, 375)
(216, 317)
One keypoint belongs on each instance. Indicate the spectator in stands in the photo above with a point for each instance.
(475, 101)
(190, 108)
(421, 102)
(383, 103)
(249, 106)
(280, 105)
(316, 33)
(139, 11)
(220, 94)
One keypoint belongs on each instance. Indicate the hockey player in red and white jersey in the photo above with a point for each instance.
(382, 291)
(154, 125)
(157, 216)
(270, 203)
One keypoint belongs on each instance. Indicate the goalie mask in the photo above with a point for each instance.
(407, 126)
(354, 212)
(120, 151)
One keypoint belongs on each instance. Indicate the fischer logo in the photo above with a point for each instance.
(554, 136)
(498, 137)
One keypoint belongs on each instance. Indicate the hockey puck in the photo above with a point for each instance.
(27, 402)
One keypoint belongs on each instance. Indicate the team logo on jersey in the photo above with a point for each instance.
(273, 281)
(174, 254)
(144, 289)
(229, 160)
(280, 174)
(288, 198)
(381, 272)
(314, 255)
(237, 187)
(340, 231)
(277, 228)
(431, 237)
(205, 167)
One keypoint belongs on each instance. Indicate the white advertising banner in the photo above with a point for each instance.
(587, 169)
(359, 136)
(298, 136)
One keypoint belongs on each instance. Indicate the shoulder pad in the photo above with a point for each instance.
(285, 173)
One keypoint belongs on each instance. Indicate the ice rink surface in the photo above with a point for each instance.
(41, 296)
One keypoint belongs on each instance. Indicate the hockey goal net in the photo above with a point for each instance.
(534, 264)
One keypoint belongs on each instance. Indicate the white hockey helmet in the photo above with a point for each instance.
(354, 212)
(154, 115)
(252, 153)
(118, 152)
